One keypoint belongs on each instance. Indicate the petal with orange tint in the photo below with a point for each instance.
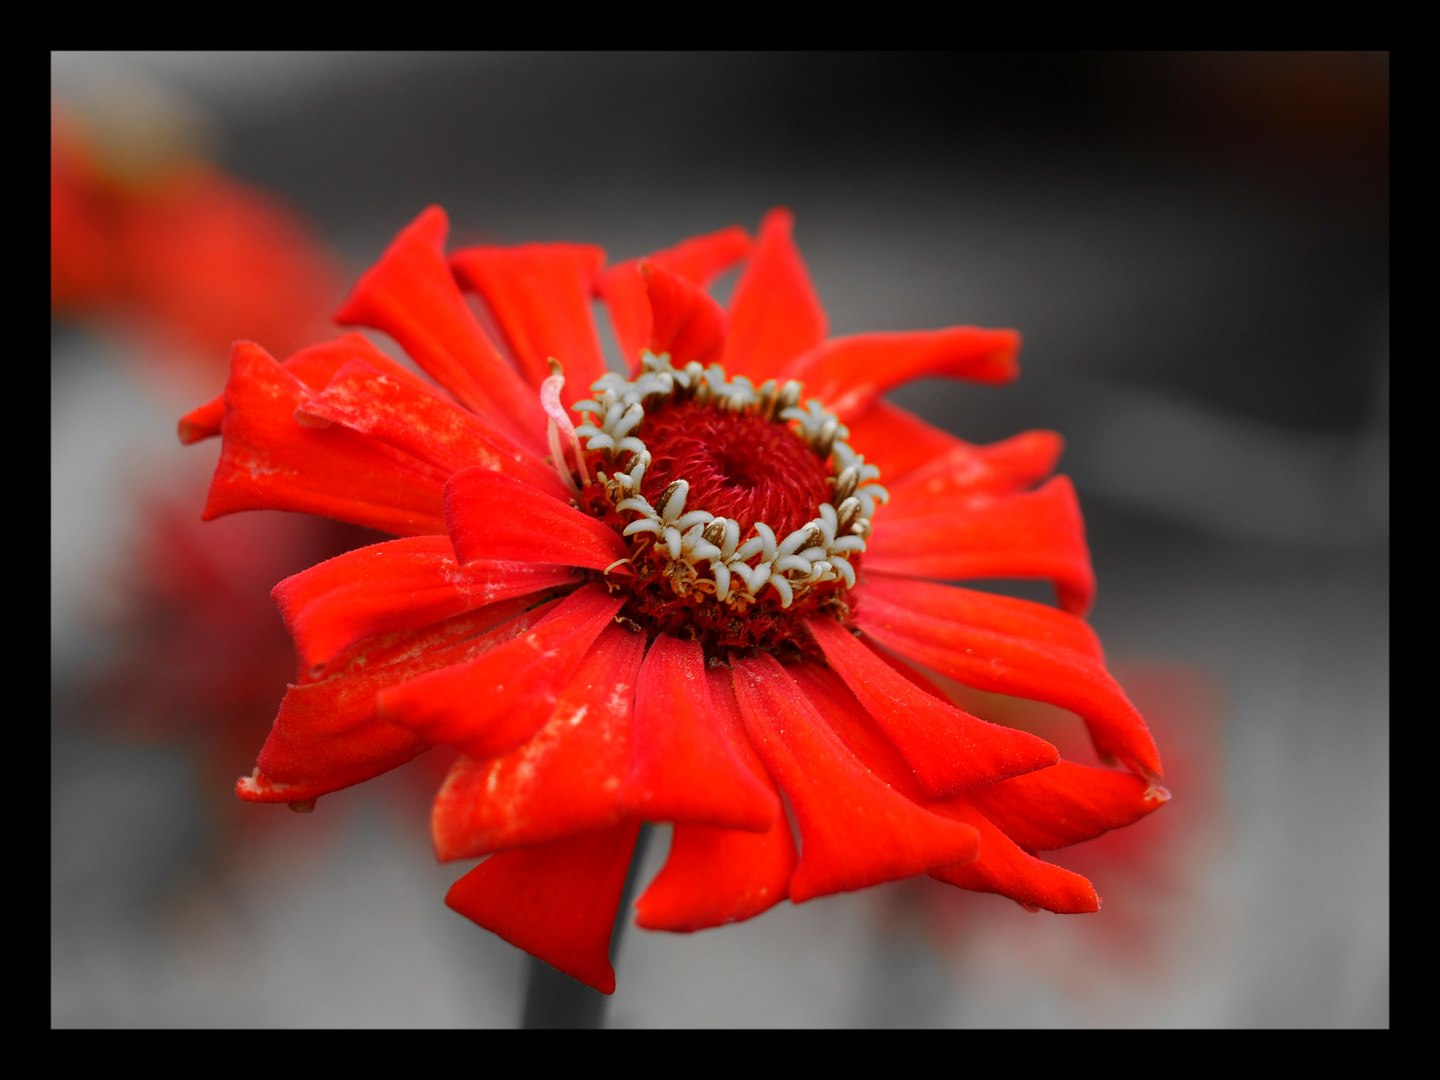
(1001, 468)
(411, 295)
(685, 321)
(855, 829)
(496, 702)
(1003, 868)
(1008, 615)
(848, 374)
(698, 260)
(557, 901)
(948, 749)
(775, 316)
(268, 461)
(540, 297)
(566, 779)
(494, 516)
(1015, 664)
(424, 425)
(714, 876)
(330, 734)
(896, 440)
(1066, 804)
(1036, 534)
(313, 366)
(397, 585)
(684, 765)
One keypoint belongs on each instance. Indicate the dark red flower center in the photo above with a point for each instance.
(739, 465)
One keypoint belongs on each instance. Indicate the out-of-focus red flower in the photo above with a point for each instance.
(663, 614)
(183, 254)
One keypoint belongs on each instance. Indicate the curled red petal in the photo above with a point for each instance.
(557, 901)
(494, 516)
(494, 703)
(1022, 666)
(423, 424)
(684, 765)
(855, 829)
(1066, 804)
(685, 321)
(540, 297)
(330, 734)
(714, 876)
(626, 295)
(1035, 534)
(411, 295)
(775, 315)
(565, 779)
(268, 461)
(1002, 468)
(1008, 615)
(397, 585)
(314, 366)
(1003, 868)
(849, 373)
(948, 749)
(897, 440)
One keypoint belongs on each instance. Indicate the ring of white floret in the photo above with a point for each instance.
(701, 548)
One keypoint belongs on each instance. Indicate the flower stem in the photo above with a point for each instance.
(555, 1000)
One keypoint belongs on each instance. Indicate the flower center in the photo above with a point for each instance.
(744, 514)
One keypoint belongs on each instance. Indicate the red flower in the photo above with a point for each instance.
(663, 614)
(183, 253)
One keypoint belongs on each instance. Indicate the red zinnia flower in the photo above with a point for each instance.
(662, 614)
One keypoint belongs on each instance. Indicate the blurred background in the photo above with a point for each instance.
(1196, 250)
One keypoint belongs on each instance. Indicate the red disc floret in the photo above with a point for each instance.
(739, 465)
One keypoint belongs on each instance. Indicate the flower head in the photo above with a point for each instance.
(689, 593)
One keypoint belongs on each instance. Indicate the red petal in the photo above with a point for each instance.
(848, 374)
(685, 321)
(1003, 868)
(896, 440)
(697, 260)
(312, 366)
(855, 829)
(1022, 666)
(1066, 804)
(1001, 468)
(425, 426)
(556, 901)
(398, 585)
(540, 297)
(412, 296)
(684, 766)
(1025, 619)
(1037, 534)
(947, 748)
(564, 780)
(714, 876)
(492, 516)
(775, 315)
(495, 703)
(330, 734)
(271, 462)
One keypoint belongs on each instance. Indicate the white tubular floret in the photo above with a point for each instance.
(793, 542)
(673, 541)
(847, 543)
(722, 580)
(846, 570)
(694, 517)
(782, 587)
(792, 562)
(638, 504)
(767, 538)
(750, 548)
(643, 525)
(674, 506)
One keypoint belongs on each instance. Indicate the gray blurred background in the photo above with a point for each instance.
(1196, 250)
